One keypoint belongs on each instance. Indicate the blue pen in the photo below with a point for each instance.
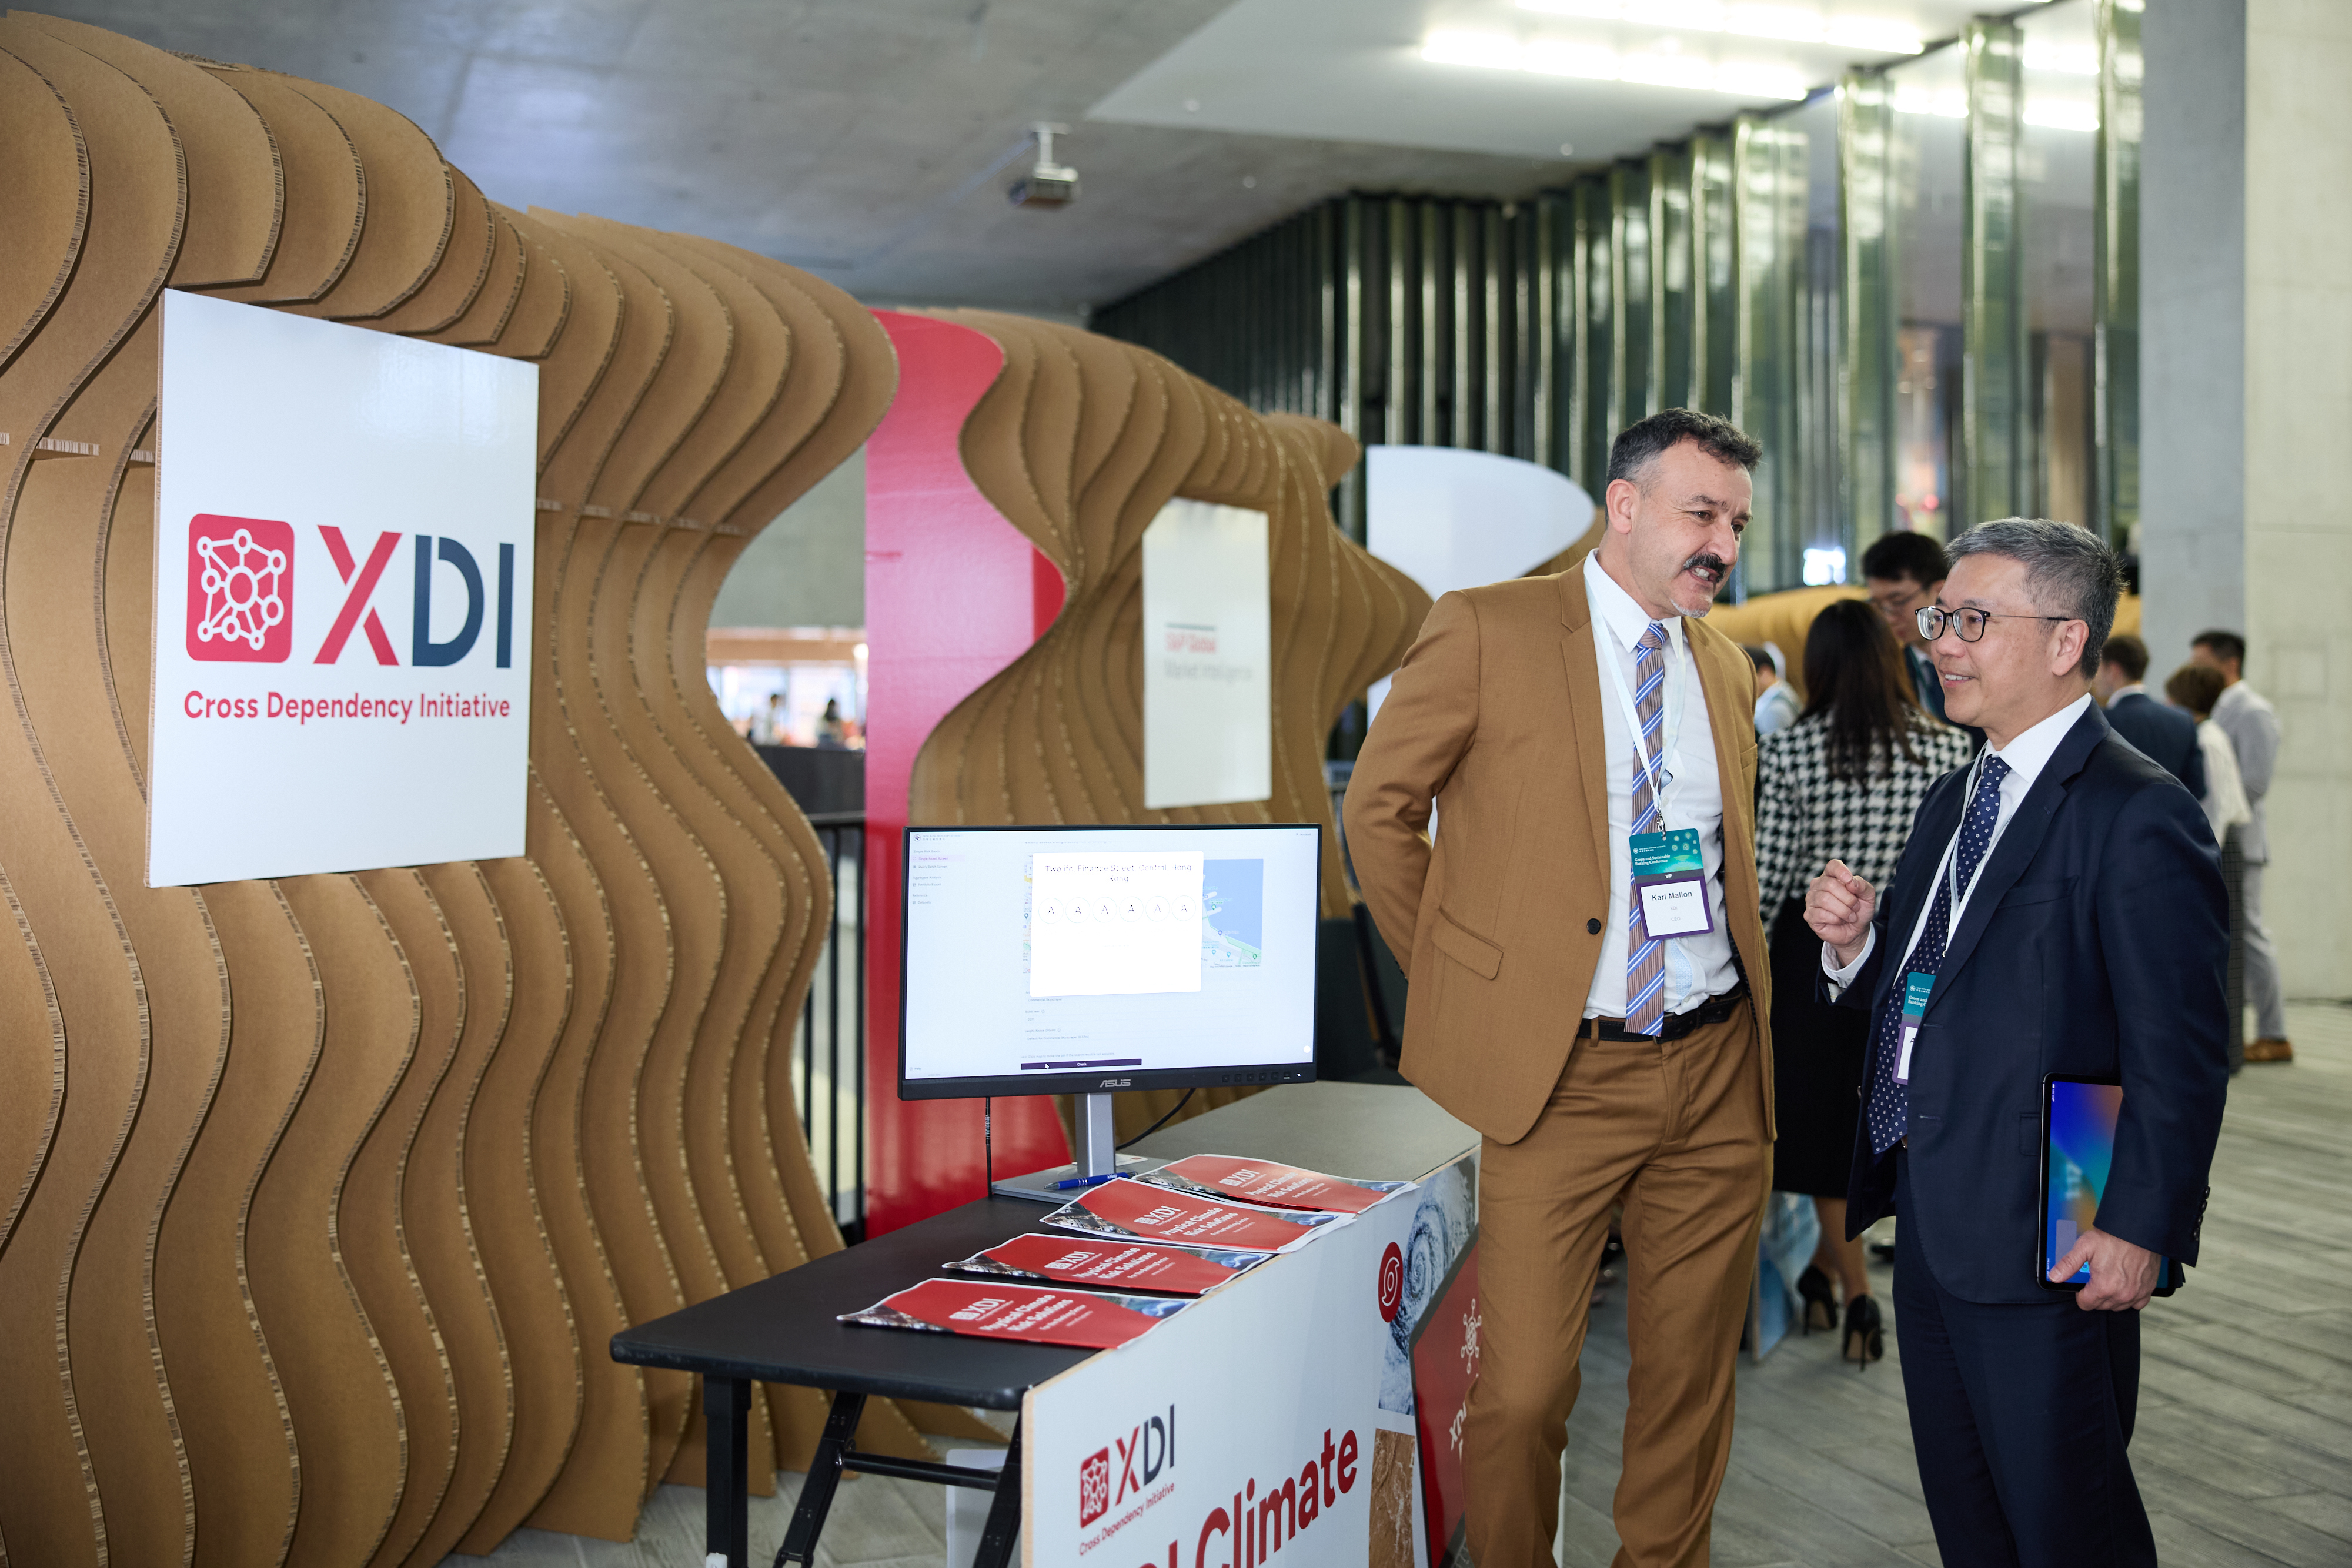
(1079, 1181)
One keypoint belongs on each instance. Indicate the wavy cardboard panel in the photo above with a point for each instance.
(360, 1172)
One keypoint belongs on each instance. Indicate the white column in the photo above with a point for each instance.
(2298, 465)
(2246, 398)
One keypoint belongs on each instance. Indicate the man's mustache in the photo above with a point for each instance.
(1709, 563)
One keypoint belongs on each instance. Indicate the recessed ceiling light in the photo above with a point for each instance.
(1594, 62)
(1552, 57)
(1492, 50)
(1795, 24)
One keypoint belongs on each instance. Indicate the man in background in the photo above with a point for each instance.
(1777, 707)
(1904, 573)
(2165, 733)
(2247, 717)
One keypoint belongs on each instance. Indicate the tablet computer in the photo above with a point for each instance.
(2078, 1145)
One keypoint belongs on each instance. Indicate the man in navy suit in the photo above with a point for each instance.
(2165, 733)
(2058, 909)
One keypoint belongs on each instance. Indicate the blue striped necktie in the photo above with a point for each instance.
(1890, 1103)
(1646, 957)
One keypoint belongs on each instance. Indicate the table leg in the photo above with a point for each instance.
(996, 1537)
(824, 1476)
(727, 1526)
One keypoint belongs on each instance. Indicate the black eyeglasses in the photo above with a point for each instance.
(1969, 623)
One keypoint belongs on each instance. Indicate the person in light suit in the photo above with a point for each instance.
(1559, 726)
(2060, 901)
(2247, 717)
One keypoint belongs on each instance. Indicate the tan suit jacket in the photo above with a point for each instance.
(1496, 715)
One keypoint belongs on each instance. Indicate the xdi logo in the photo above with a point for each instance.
(240, 590)
(241, 595)
(1144, 1454)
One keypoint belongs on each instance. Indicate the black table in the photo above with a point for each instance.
(784, 1328)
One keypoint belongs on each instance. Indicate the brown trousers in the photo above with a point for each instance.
(1675, 1131)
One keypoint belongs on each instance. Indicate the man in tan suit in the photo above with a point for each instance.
(1606, 1038)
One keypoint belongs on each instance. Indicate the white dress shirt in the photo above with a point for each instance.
(1700, 966)
(2027, 755)
(2136, 689)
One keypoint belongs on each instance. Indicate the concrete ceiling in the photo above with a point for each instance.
(870, 140)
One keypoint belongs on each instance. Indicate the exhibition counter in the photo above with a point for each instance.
(1312, 1362)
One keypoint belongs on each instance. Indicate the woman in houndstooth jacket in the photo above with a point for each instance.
(1841, 783)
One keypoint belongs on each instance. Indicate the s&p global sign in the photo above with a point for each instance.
(344, 522)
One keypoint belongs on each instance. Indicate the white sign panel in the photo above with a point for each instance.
(1208, 656)
(1307, 1416)
(1452, 520)
(344, 521)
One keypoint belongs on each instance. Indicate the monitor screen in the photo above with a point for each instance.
(1075, 961)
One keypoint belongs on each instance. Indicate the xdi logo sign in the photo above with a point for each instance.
(240, 590)
(241, 595)
(1144, 1454)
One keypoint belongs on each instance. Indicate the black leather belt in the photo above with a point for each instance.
(1713, 1010)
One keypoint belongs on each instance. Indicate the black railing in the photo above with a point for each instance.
(830, 1092)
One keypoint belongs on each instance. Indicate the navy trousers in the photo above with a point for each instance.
(2020, 1416)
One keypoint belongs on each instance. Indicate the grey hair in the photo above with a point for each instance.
(2067, 571)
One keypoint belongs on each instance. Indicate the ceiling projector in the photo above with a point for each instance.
(1048, 184)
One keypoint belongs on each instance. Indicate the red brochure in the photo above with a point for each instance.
(1262, 1181)
(1001, 1310)
(1112, 1265)
(1130, 1209)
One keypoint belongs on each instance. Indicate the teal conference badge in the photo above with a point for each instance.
(1670, 884)
(1915, 1003)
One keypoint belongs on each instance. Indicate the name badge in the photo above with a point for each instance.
(1915, 1003)
(1670, 885)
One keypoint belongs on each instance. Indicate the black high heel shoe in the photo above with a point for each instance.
(1821, 1305)
(1866, 1332)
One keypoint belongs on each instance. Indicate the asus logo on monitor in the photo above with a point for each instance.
(1117, 1082)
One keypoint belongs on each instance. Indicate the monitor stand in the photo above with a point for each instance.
(1098, 1154)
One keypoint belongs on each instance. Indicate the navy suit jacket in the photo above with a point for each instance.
(2095, 945)
(2166, 733)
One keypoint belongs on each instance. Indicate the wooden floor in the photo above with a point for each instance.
(2244, 1452)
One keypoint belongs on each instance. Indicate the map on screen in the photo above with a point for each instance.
(1233, 914)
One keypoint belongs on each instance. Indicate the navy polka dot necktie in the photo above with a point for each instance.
(1890, 1103)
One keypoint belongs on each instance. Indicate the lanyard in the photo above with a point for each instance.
(1947, 870)
(1661, 774)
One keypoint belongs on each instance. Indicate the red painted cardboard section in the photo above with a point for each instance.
(953, 594)
(1444, 1365)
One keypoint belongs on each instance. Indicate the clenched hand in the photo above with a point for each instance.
(1838, 906)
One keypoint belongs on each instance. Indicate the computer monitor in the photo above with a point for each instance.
(1086, 960)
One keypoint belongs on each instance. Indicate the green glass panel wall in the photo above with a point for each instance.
(1768, 223)
(1633, 373)
(1995, 437)
(1848, 279)
(1551, 337)
(1868, 292)
(1714, 313)
(1673, 297)
(2115, 265)
(1596, 350)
